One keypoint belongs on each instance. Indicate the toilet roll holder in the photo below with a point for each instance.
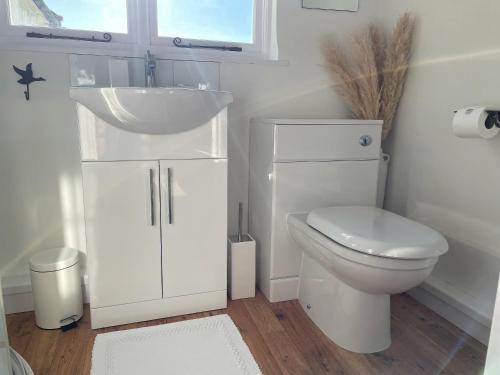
(493, 118)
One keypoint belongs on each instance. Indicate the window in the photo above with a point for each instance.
(90, 15)
(210, 20)
(212, 23)
(67, 18)
(243, 26)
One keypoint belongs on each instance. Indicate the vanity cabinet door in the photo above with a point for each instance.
(122, 216)
(194, 225)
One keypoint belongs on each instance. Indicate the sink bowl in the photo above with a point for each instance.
(153, 110)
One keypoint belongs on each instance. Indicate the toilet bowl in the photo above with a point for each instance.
(354, 258)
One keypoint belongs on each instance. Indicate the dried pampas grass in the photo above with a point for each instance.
(396, 69)
(371, 80)
(367, 74)
(379, 44)
(338, 64)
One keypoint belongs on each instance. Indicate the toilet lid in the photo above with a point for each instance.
(378, 232)
(54, 259)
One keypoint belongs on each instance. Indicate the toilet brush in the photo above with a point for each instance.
(240, 220)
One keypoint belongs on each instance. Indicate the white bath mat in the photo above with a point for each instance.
(207, 346)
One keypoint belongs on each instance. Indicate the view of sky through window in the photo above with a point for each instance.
(94, 15)
(212, 20)
(216, 20)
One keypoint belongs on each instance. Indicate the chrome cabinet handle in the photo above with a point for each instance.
(365, 140)
(152, 195)
(169, 187)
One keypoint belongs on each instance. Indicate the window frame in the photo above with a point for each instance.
(17, 33)
(142, 35)
(259, 49)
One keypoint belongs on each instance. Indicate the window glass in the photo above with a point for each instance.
(92, 15)
(214, 20)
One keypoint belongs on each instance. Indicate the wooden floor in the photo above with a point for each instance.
(283, 341)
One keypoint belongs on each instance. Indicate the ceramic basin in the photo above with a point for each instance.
(152, 110)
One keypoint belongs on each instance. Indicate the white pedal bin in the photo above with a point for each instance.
(56, 285)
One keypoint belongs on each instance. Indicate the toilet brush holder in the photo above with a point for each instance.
(241, 266)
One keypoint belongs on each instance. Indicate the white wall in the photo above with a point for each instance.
(40, 179)
(449, 183)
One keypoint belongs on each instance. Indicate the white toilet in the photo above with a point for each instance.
(354, 258)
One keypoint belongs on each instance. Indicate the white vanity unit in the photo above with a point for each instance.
(297, 165)
(154, 165)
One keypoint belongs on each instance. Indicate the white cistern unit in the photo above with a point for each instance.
(297, 165)
(154, 164)
(319, 236)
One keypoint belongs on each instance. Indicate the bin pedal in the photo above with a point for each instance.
(72, 323)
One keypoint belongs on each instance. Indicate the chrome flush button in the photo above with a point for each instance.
(365, 140)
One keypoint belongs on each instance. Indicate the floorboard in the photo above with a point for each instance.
(283, 341)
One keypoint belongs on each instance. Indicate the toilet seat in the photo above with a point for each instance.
(377, 232)
(331, 251)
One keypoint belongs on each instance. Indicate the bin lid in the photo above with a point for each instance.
(54, 259)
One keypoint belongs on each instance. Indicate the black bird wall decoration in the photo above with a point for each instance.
(27, 78)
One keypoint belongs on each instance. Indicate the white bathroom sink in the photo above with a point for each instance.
(152, 110)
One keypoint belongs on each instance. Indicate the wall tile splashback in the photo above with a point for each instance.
(118, 72)
(202, 75)
(89, 71)
(164, 73)
(106, 71)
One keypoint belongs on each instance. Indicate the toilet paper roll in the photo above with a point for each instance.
(471, 123)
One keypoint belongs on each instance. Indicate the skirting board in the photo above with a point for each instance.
(451, 308)
(282, 289)
(157, 309)
(18, 296)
